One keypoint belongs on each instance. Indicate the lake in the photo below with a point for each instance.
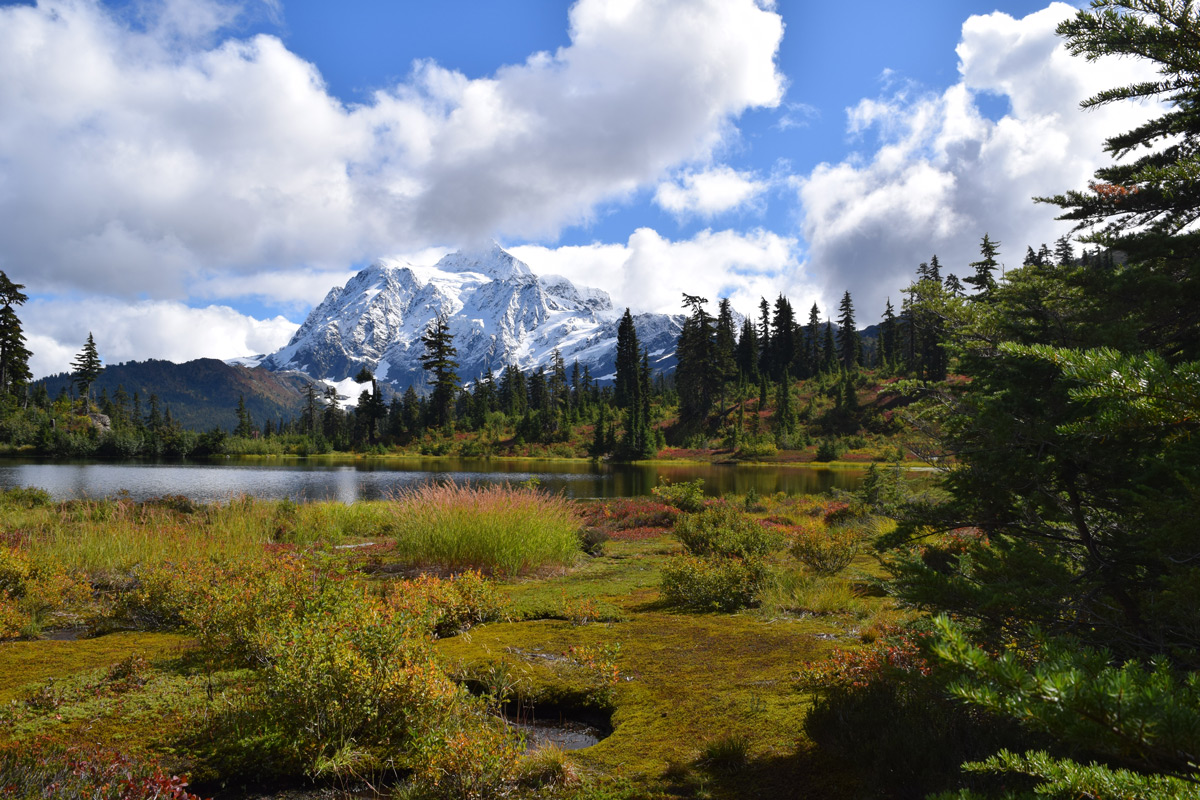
(348, 480)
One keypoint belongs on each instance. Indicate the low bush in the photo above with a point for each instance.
(25, 497)
(687, 496)
(828, 450)
(713, 584)
(497, 528)
(351, 687)
(46, 769)
(829, 550)
(724, 530)
(448, 606)
(31, 589)
(480, 760)
(758, 449)
(625, 514)
(883, 709)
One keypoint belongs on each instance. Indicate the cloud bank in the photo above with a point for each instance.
(137, 331)
(138, 158)
(942, 174)
(651, 273)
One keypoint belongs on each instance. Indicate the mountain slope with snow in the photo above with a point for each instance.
(500, 313)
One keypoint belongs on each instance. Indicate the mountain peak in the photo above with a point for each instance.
(499, 313)
(494, 262)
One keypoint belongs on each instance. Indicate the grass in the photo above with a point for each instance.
(106, 537)
(496, 529)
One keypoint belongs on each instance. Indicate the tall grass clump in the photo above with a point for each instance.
(496, 529)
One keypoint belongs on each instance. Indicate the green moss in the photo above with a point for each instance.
(24, 665)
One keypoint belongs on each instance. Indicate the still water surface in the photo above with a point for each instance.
(349, 480)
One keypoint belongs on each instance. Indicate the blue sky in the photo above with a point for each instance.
(188, 177)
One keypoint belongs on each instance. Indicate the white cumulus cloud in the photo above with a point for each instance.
(138, 159)
(650, 272)
(126, 331)
(709, 193)
(942, 174)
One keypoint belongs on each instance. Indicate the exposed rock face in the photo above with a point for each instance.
(99, 421)
(500, 313)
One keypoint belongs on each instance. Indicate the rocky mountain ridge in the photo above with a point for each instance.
(499, 312)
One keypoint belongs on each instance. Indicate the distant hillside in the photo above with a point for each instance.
(202, 393)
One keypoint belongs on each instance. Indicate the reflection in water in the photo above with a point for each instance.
(347, 481)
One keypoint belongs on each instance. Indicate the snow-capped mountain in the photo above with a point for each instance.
(500, 313)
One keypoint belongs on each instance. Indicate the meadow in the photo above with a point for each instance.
(269, 648)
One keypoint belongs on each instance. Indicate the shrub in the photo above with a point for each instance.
(687, 496)
(448, 607)
(830, 550)
(478, 761)
(15, 571)
(229, 606)
(12, 621)
(713, 584)
(600, 672)
(45, 769)
(25, 497)
(882, 708)
(156, 600)
(828, 450)
(632, 513)
(30, 589)
(723, 530)
(350, 687)
(592, 540)
(493, 528)
(759, 449)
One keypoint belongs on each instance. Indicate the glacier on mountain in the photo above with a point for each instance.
(499, 312)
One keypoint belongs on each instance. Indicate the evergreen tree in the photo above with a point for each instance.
(245, 426)
(783, 341)
(930, 271)
(764, 335)
(1064, 251)
(412, 414)
(812, 338)
(599, 446)
(829, 351)
(439, 358)
(724, 361)
(695, 379)
(983, 280)
(154, 418)
(888, 337)
(513, 393)
(628, 351)
(851, 346)
(14, 356)
(747, 353)
(86, 368)
(312, 408)
(1077, 458)
(785, 414)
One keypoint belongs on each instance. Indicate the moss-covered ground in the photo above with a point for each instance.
(687, 680)
(697, 704)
